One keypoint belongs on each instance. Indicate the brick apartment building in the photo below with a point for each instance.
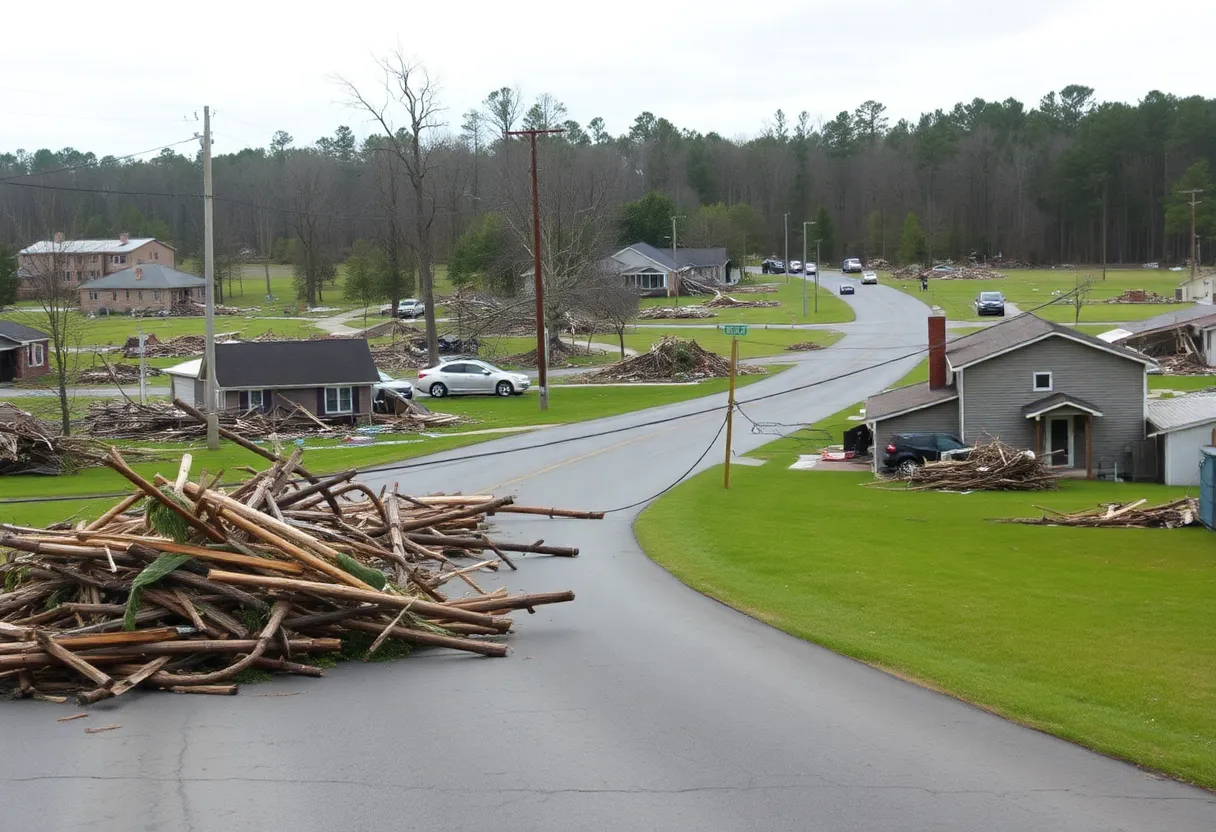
(79, 261)
(147, 288)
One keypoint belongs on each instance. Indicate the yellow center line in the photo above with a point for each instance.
(572, 460)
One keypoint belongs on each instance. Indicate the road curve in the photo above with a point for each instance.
(642, 705)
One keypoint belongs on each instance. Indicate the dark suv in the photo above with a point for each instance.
(907, 451)
(990, 303)
(773, 266)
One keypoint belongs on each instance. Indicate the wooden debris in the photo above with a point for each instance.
(804, 346)
(1172, 515)
(72, 718)
(669, 313)
(29, 445)
(721, 301)
(102, 729)
(671, 359)
(993, 466)
(207, 583)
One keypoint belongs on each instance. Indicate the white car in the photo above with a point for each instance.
(406, 308)
(869, 278)
(851, 265)
(795, 267)
(470, 376)
(387, 389)
(812, 268)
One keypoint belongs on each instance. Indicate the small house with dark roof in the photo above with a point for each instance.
(657, 271)
(147, 288)
(24, 352)
(331, 378)
(1032, 384)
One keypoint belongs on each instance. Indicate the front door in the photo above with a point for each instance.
(1059, 441)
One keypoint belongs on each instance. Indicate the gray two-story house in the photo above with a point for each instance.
(1032, 384)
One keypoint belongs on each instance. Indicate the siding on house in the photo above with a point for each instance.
(310, 398)
(998, 389)
(940, 418)
(1180, 454)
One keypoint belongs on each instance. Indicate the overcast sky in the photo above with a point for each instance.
(115, 78)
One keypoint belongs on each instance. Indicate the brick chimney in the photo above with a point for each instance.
(123, 237)
(937, 350)
(58, 238)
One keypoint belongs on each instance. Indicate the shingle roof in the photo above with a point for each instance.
(147, 276)
(20, 333)
(89, 246)
(270, 364)
(685, 257)
(1195, 316)
(905, 399)
(1181, 412)
(1056, 401)
(1018, 330)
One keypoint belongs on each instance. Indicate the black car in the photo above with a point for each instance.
(908, 451)
(847, 289)
(990, 303)
(773, 266)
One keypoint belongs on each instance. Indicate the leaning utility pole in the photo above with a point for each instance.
(542, 338)
(1194, 192)
(213, 421)
(675, 263)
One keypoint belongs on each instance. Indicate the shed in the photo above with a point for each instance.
(182, 380)
(1182, 427)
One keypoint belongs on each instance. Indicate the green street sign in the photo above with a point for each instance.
(735, 329)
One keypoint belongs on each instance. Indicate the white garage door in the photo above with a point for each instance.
(183, 388)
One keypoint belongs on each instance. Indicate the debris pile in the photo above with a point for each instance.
(977, 272)
(990, 467)
(667, 313)
(204, 584)
(721, 301)
(755, 289)
(191, 308)
(878, 264)
(394, 328)
(671, 359)
(1139, 296)
(402, 355)
(113, 374)
(804, 346)
(29, 445)
(183, 346)
(1184, 364)
(1174, 515)
(559, 356)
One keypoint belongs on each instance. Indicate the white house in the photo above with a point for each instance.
(654, 270)
(1199, 289)
(182, 378)
(1182, 426)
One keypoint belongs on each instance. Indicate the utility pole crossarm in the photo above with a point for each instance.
(542, 341)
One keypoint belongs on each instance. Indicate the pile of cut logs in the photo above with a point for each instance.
(669, 313)
(1172, 515)
(721, 301)
(204, 584)
(989, 467)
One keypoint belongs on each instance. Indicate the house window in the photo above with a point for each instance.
(155, 254)
(128, 294)
(92, 295)
(156, 293)
(257, 400)
(139, 294)
(339, 400)
(37, 355)
(113, 295)
(649, 280)
(1042, 382)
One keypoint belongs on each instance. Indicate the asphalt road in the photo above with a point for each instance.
(642, 705)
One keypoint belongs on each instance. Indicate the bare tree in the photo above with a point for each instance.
(608, 301)
(309, 184)
(407, 86)
(57, 314)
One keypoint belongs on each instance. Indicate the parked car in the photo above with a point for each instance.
(795, 267)
(990, 303)
(943, 268)
(869, 278)
(773, 266)
(811, 268)
(908, 451)
(851, 265)
(848, 289)
(388, 388)
(411, 308)
(471, 377)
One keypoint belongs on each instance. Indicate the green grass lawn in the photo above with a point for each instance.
(114, 330)
(1029, 288)
(566, 404)
(832, 309)
(1183, 383)
(757, 343)
(1101, 636)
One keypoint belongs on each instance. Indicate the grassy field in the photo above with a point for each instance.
(757, 343)
(1029, 288)
(1099, 636)
(832, 309)
(1183, 383)
(114, 330)
(566, 404)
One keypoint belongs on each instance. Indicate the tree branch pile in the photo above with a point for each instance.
(804, 346)
(1172, 515)
(721, 301)
(975, 272)
(671, 359)
(29, 445)
(403, 355)
(560, 354)
(756, 289)
(673, 313)
(993, 466)
(183, 346)
(204, 584)
(113, 374)
(1139, 296)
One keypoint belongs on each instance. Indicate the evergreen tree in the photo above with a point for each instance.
(911, 241)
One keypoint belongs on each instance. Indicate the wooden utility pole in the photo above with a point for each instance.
(730, 408)
(675, 263)
(213, 421)
(542, 338)
(1194, 192)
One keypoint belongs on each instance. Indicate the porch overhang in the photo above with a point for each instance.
(1058, 401)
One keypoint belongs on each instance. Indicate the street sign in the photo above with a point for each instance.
(735, 329)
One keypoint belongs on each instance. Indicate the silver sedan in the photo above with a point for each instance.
(470, 376)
